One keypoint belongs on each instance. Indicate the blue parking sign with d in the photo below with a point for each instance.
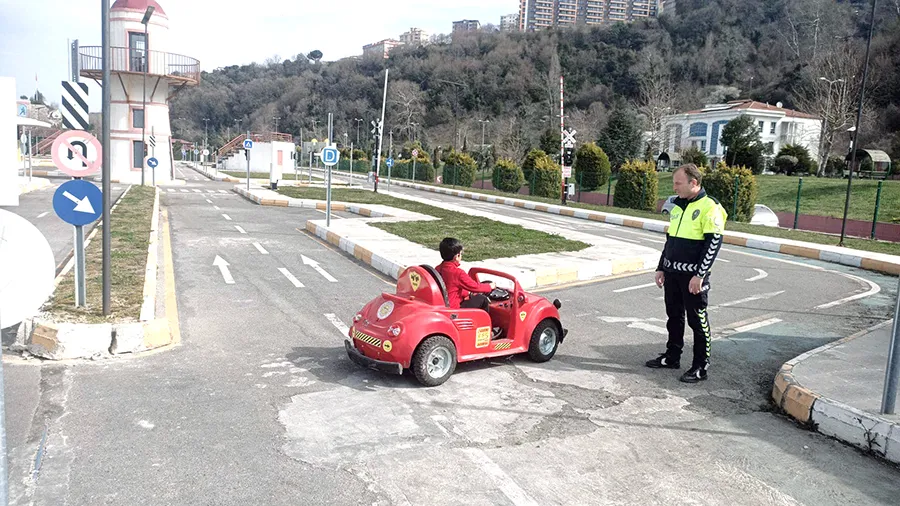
(330, 156)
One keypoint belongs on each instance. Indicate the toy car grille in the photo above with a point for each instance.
(464, 324)
(367, 338)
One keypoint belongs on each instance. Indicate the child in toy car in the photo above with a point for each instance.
(462, 290)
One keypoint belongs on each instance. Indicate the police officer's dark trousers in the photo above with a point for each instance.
(680, 301)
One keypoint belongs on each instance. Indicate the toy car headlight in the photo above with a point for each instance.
(395, 330)
(357, 318)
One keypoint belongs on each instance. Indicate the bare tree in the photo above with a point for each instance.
(657, 96)
(553, 81)
(588, 123)
(512, 142)
(407, 102)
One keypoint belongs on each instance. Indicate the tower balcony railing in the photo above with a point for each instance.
(182, 69)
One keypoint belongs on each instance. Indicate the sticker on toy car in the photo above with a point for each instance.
(414, 280)
(522, 315)
(385, 310)
(387, 346)
(482, 337)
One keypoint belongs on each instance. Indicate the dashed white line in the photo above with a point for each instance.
(217, 207)
(757, 325)
(239, 229)
(749, 299)
(184, 191)
(504, 482)
(260, 248)
(197, 191)
(296, 282)
(208, 201)
(622, 239)
(227, 218)
(638, 287)
(223, 191)
(45, 213)
(170, 190)
(761, 274)
(342, 328)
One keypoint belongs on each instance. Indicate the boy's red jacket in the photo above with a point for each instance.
(459, 283)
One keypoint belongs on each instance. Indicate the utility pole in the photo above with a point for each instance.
(380, 128)
(206, 134)
(358, 121)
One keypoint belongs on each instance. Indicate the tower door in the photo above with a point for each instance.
(137, 44)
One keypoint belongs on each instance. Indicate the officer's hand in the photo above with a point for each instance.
(660, 278)
(696, 285)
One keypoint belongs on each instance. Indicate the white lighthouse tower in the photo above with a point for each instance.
(145, 75)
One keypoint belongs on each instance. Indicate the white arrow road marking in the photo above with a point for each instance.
(342, 328)
(45, 213)
(761, 275)
(748, 299)
(239, 229)
(638, 287)
(82, 205)
(290, 277)
(227, 218)
(260, 248)
(510, 488)
(637, 323)
(315, 265)
(223, 268)
(873, 289)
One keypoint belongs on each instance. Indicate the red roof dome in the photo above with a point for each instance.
(138, 5)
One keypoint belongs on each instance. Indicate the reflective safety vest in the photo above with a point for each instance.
(691, 224)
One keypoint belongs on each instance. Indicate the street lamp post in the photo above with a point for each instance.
(145, 21)
(483, 123)
(206, 133)
(358, 121)
(854, 145)
(276, 118)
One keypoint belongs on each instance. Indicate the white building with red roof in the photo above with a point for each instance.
(702, 128)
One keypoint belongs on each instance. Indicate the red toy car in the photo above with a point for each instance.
(416, 329)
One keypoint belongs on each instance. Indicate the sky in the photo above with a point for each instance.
(34, 34)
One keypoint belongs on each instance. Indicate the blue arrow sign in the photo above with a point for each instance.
(389, 162)
(152, 162)
(248, 144)
(330, 156)
(78, 202)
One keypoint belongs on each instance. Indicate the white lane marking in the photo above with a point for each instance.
(648, 327)
(197, 191)
(638, 287)
(239, 229)
(815, 267)
(227, 218)
(315, 265)
(260, 248)
(290, 277)
(754, 326)
(184, 191)
(223, 268)
(623, 239)
(657, 241)
(749, 299)
(873, 289)
(170, 190)
(217, 208)
(223, 191)
(342, 328)
(627, 319)
(332, 214)
(723, 260)
(504, 482)
(45, 213)
(761, 274)
(208, 201)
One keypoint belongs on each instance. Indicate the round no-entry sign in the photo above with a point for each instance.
(77, 153)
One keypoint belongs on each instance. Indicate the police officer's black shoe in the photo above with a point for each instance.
(663, 362)
(695, 374)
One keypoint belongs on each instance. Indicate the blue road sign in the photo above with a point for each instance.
(78, 202)
(152, 162)
(248, 144)
(389, 162)
(330, 156)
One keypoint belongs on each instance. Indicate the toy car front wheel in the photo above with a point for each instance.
(434, 361)
(544, 341)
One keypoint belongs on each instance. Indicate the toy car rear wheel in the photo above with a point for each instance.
(544, 341)
(434, 361)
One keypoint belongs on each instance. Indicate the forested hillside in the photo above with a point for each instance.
(713, 50)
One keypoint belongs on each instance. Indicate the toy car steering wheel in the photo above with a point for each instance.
(499, 294)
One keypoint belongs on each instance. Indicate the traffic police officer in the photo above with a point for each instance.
(696, 224)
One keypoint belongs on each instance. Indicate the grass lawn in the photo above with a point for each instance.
(130, 238)
(483, 238)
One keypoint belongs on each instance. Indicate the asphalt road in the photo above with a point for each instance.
(261, 406)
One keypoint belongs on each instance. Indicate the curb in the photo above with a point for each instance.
(864, 430)
(879, 262)
(66, 341)
(528, 279)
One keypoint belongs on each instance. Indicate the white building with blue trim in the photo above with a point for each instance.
(703, 128)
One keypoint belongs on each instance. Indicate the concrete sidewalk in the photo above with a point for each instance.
(837, 389)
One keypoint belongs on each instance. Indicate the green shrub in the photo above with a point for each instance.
(786, 164)
(423, 171)
(507, 176)
(695, 156)
(866, 167)
(835, 166)
(530, 159)
(359, 166)
(592, 167)
(805, 164)
(459, 169)
(719, 183)
(547, 177)
(637, 178)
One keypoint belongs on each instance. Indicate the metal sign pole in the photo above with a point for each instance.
(328, 168)
(351, 164)
(153, 153)
(380, 128)
(310, 166)
(248, 164)
(892, 371)
(107, 152)
(80, 283)
(30, 165)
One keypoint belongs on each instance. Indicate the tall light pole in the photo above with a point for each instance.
(853, 146)
(276, 118)
(145, 21)
(206, 134)
(315, 124)
(358, 121)
(483, 123)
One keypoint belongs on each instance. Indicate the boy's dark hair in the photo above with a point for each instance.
(450, 247)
